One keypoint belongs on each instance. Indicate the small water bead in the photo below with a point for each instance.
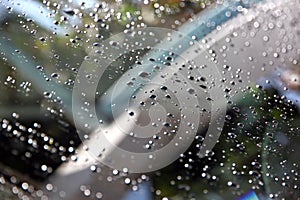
(25, 186)
(135, 188)
(247, 44)
(144, 74)
(191, 91)
(164, 88)
(99, 195)
(15, 115)
(271, 25)
(49, 187)
(131, 113)
(42, 39)
(167, 124)
(93, 168)
(44, 168)
(54, 75)
(74, 158)
(256, 24)
(265, 38)
(125, 170)
(130, 83)
(115, 172)
(87, 192)
(127, 181)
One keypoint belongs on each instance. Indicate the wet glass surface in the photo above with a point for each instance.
(149, 99)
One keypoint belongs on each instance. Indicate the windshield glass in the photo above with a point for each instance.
(149, 99)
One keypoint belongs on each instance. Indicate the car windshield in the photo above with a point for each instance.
(149, 100)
